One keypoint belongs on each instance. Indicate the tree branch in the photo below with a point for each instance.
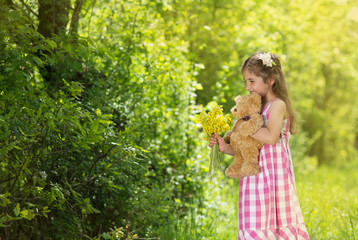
(25, 161)
(7, 180)
(28, 8)
(75, 17)
(99, 158)
(95, 176)
(10, 4)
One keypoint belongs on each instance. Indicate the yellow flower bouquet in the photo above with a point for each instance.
(214, 121)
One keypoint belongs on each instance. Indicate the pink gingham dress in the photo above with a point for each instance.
(268, 203)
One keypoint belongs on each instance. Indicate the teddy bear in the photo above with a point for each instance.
(247, 111)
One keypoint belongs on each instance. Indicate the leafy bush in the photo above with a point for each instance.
(84, 146)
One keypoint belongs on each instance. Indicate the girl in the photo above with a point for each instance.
(268, 203)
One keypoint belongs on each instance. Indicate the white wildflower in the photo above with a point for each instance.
(266, 59)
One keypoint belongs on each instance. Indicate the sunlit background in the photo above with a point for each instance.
(98, 103)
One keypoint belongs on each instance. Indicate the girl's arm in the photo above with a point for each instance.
(271, 133)
(223, 146)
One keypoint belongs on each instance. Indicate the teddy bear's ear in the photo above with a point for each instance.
(237, 99)
(256, 98)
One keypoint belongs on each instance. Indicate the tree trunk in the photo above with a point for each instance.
(76, 17)
(53, 19)
(318, 121)
(53, 16)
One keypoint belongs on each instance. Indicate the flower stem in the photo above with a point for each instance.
(214, 160)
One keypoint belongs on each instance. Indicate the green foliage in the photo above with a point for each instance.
(83, 147)
(97, 137)
(328, 199)
(318, 60)
(327, 196)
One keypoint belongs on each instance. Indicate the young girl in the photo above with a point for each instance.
(268, 203)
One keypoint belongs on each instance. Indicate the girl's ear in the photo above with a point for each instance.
(272, 79)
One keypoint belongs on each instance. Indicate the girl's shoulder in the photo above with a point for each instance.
(278, 107)
(278, 102)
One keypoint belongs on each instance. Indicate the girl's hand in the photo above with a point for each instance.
(216, 139)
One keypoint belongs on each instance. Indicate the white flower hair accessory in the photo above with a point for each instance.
(266, 59)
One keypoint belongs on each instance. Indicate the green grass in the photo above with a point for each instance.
(329, 201)
(328, 197)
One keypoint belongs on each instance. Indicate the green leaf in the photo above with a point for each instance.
(39, 112)
(65, 82)
(2, 104)
(17, 209)
(83, 132)
(22, 132)
(52, 43)
(3, 220)
(28, 214)
(50, 197)
(45, 210)
(94, 126)
(37, 60)
(4, 199)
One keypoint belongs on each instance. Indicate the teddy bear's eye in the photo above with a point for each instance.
(235, 110)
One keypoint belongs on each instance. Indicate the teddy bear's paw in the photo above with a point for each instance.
(234, 175)
(250, 169)
(233, 171)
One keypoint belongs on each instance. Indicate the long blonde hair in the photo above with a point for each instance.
(255, 65)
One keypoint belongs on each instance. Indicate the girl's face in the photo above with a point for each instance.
(256, 84)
